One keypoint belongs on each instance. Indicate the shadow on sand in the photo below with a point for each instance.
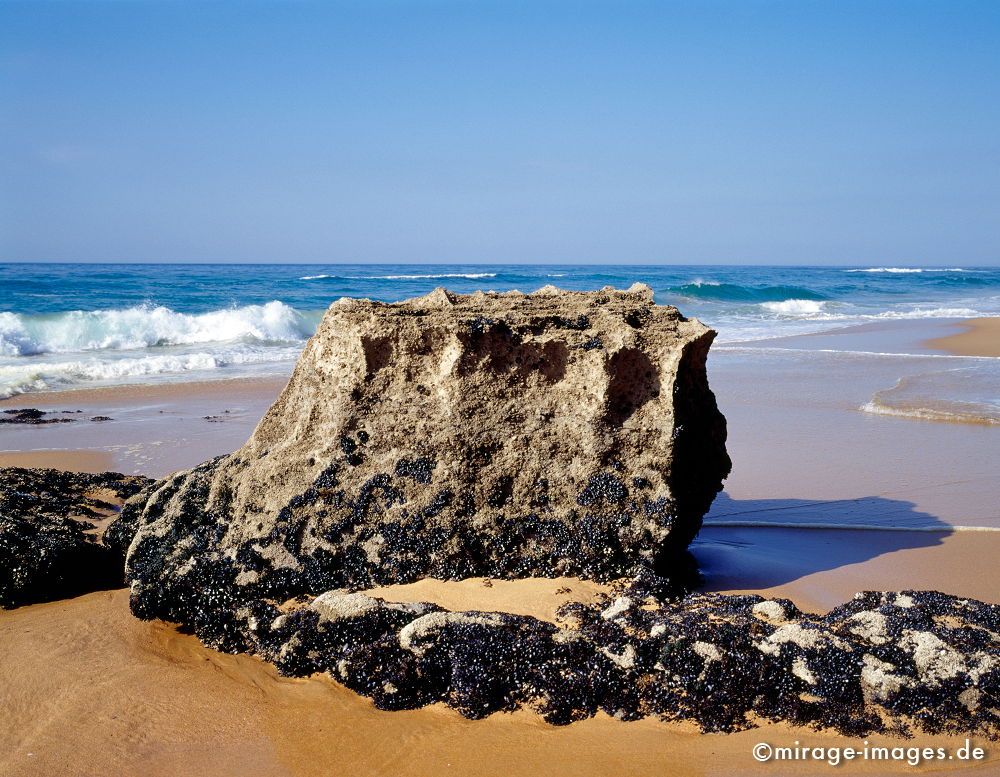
(762, 543)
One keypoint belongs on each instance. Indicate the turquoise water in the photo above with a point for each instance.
(65, 326)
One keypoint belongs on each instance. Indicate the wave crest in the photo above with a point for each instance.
(149, 326)
(795, 307)
(28, 376)
(735, 293)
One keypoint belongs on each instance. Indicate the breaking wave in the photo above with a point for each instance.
(150, 326)
(40, 375)
(795, 307)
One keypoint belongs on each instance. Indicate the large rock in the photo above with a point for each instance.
(507, 435)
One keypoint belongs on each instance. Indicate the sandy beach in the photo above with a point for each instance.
(96, 692)
(980, 338)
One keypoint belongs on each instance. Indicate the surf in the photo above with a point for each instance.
(149, 326)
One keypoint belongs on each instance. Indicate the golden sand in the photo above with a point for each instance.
(106, 396)
(537, 597)
(93, 691)
(980, 338)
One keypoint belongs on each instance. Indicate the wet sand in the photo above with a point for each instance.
(147, 394)
(154, 430)
(980, 338)
(819, 569)
(71, 461)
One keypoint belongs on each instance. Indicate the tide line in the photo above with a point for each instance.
(734, 347)
(844, 526)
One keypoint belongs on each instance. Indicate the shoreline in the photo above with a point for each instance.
(108, 396)
(981, 337)
(151, 430)
(163, 428)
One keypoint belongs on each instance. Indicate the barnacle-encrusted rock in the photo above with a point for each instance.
(505, 435)
(50, 542)
(721, 661)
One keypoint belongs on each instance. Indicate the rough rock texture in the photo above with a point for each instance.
(505, 435)
(50, 543)
(900, 663)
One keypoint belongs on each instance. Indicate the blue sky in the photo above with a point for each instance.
(748, 131)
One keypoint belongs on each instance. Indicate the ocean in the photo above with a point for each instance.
(66, 326)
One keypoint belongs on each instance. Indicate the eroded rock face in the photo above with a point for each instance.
(51, 543)
(504, 435)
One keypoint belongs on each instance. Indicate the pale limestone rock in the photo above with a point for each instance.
(501, 435)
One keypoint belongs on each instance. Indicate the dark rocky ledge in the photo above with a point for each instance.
(897, 663)
(50, 533)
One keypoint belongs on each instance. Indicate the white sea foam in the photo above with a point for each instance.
(890, 269)
(949, 414)
(795, 307)
(969, 393)
(927, 313)
(911, 269)
(735, 347)
(150, 326)
(470, 276)
(912, 313)
(22, 376)
(797, 317)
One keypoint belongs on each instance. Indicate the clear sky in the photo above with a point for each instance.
(739, 131)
